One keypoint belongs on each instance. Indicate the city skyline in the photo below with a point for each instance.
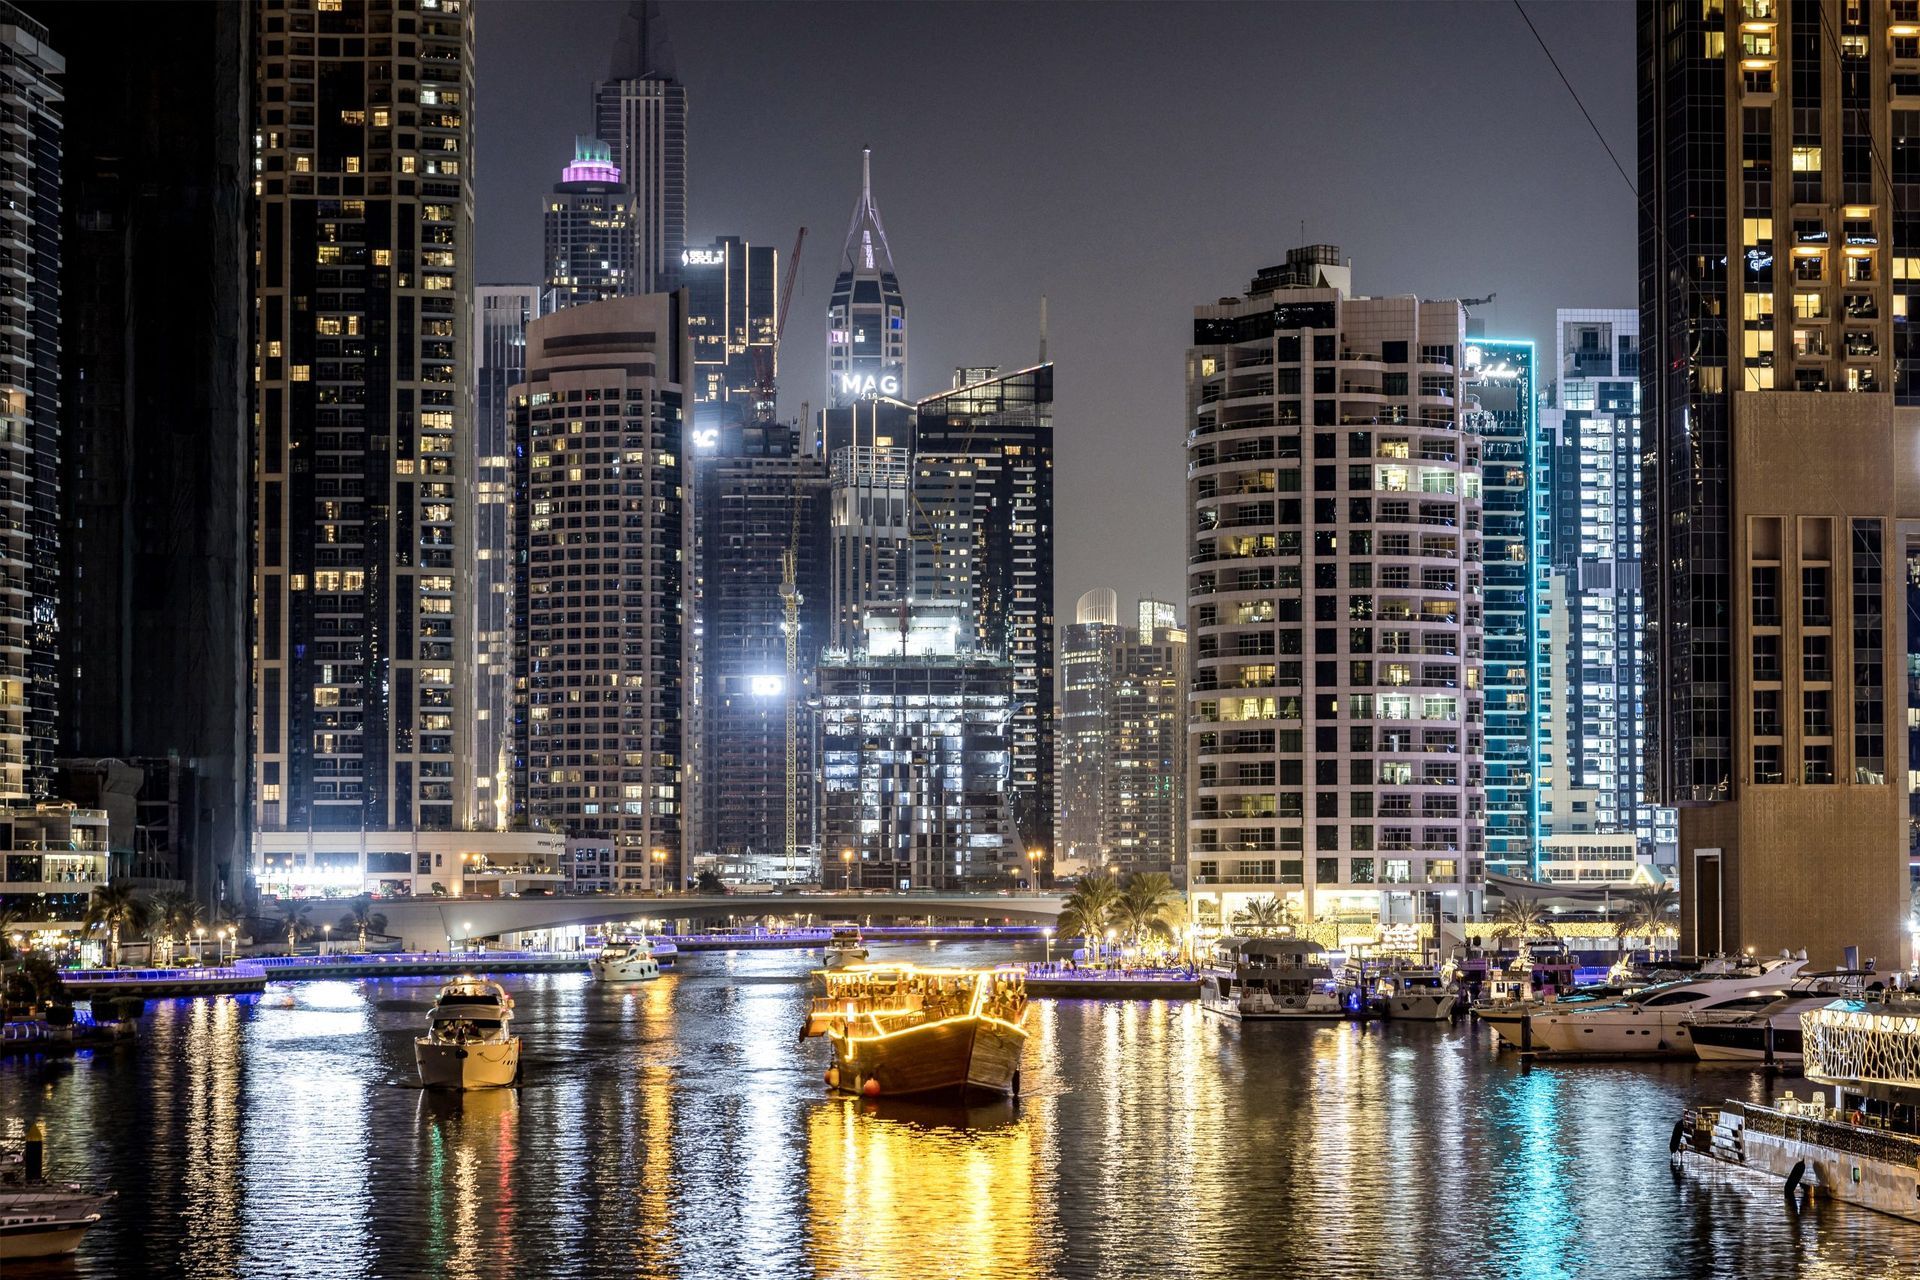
(1118, 243)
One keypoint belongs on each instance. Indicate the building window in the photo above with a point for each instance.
(1818, 766)
(1766, 764)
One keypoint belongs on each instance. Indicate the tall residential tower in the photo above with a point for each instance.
(867, 315)
(640, 112)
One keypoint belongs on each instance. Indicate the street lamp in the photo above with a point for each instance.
(846, 869)
(202, 931)
(1033, 870)
(659, 870)
(1049, 935)
(326, 939)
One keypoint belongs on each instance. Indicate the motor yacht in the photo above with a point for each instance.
(900, 1030)
(845, 946)
(1654, 1021)
(625, 962)
(1771, 1033)
(1417, 994)
(40, 1219)
(469, 1044)
(1258, 979)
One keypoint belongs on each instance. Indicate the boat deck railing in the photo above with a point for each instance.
(1811, 1122)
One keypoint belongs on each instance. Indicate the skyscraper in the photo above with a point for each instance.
(870, 526)
(1335, 740)
(363, 694)
(1592, 428)
(30, 152)
(155, 288)
(640, 111)
(589, 231)
(1122, 740)
(1780, 464)
(759, 495)
(501, 314)
(1500, 410)
(915, 758)
(983, 537)
(731, 289)
(867, 315)
(600, 426)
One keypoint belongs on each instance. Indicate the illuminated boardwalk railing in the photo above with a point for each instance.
(1864, 1043)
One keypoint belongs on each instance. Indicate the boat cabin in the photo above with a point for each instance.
(884, 999)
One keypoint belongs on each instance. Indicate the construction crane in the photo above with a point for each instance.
(766, 355)
(790, 607)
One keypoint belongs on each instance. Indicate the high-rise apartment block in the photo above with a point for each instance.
(1336, 724)
(501, 314)
(591, 250)
(870, 525)
(30, 151)
(867, 315)
(759, 497)
(600, 426)
(1778, 148)
(1122, 740)
(1500, 409)
(983, 538)
(155, 278)
(1595, 697)
(363, 696)
(732, 289)
(640, 112)
(915, 758)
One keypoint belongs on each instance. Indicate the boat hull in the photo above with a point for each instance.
(643, 969)
(40, 1241)
(476, 1065)
(1745, 1044)
(1419, 1007)
(957, 1055)
(1836, 1159)
(1624, 1035)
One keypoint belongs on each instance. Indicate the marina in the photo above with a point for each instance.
(695, 1137)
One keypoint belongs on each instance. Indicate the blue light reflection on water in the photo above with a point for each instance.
(676, 1128)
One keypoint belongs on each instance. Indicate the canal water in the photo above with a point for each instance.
(678, 1129)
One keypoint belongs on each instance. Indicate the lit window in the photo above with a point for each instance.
(1806, 159)
(300, 373)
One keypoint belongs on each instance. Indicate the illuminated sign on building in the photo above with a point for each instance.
(868, 384)
(702, 257)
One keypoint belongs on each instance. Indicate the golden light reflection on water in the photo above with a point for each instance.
(473, 1143)
(896, 1190)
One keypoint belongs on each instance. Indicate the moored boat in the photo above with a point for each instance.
(40, 1219)
(1769, 1035)
(469, 1042)
(845, 946)
(1271, 979)
(625, 962)
(1422, 994)
(903, 1030)
(1654, 1021)
(1863, 1145)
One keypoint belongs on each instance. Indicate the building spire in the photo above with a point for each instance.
(866, 175)
(1043, 328)
(866, 250)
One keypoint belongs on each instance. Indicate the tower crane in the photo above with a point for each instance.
(764, 365)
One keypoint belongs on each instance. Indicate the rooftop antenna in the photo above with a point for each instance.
(1043, 328)
(866, 174)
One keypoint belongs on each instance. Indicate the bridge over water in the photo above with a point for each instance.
(426, 923)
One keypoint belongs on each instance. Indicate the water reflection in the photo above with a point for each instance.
(897, 1190)
(678, 1129)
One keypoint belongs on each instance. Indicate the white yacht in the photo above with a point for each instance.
(42, 1221)
(1771, 1033)
(1271, 978)
(469, 1044)
(1416, 995)
(1654, 1021)
(625, 962)
(845, 946)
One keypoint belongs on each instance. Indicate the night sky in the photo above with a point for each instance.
(1128, 161)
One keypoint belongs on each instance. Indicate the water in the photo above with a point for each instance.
(677, 1128)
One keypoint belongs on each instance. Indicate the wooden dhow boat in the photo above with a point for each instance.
(898, 1029)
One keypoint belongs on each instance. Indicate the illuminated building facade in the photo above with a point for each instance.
(870, 525)
(1596, 679)
(589, 230)
(915, 758)
(732, 289)
(501, 314)
(363, 698)
(640, 112)
(1335, 740)
(30, 410)
(867, 315)
(1122, 740)
(600, 424)
(758, 494)
(1781, 392)
(983, 538)
(1500, 409)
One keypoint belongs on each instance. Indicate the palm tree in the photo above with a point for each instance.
(1147, 902)
(294, 913)
(115, 907)
(1521, 918)
(362, 917)
(8, 919)
(173, 912)
(1263, 917)
(1089, 909)
(1649, 913)
(709, 882)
